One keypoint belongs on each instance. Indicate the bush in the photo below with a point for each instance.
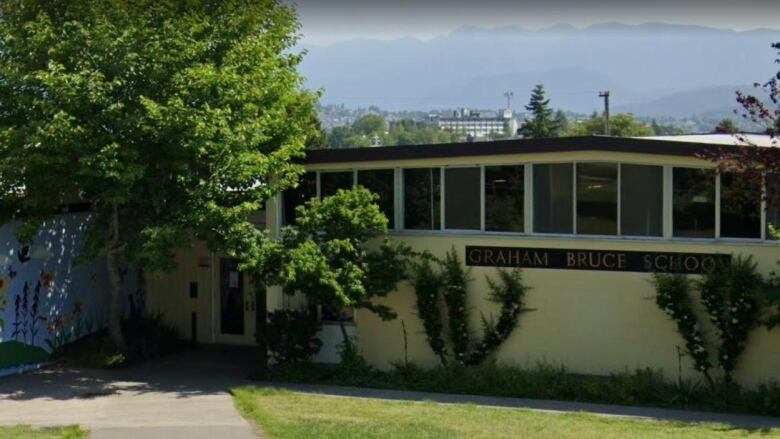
(147, 337)
(641, 387)
(291, 336)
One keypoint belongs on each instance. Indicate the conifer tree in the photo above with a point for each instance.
(542, 122)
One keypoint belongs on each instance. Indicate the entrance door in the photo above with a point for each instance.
(237, 305)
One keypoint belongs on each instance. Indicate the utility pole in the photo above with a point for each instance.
(509, 95)
(605, 95)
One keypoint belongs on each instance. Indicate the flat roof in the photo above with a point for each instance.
(641, 145)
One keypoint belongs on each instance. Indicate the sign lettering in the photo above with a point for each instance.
(606, 260)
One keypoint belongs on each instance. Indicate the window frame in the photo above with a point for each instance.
(667, 214)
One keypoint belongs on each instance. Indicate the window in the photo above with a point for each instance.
(504, 198)
(422, 198)
(693, 203)
(597, 189)
(553, 198)
(292, 198)
(740, 213)
(772, 204)
(462, 201)
(331, 182)
(382, 183)
(641, 200)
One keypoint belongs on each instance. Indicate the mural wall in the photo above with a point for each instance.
(46, 298)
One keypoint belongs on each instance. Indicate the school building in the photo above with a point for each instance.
(588, 219)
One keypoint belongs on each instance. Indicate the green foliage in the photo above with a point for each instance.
(508, 293)
(542, 122)
(545, 381)
(726, 126)
(455, 280)
(620, 125)
(728, 294)
(27, 432)
(291, 336)
(344, 137)
(147, 337)
(173, 119)
(673, 297)
(427, 287)
(337, 254)
(370, 124)
(769, 301)
(400, 132)
(665, 130)
(449, 287)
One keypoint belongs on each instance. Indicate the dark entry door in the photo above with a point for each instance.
(231, 297)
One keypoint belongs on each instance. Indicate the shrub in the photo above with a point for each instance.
(291, 336)
(641, 387)
(149, 336)
(449, 288)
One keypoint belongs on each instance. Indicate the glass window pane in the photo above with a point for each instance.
(772, 203)
(292, 198)
(331, 182)
(382, 183)
(693, 203)
(641, 200)
(504, 198)
(553, 198)
(740, 208)
(597, 198)
(462, 198)
(422, 198)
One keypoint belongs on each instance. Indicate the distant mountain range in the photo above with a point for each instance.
(652, 69)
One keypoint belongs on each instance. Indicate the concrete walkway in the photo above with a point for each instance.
(646, 413)
(181, 396)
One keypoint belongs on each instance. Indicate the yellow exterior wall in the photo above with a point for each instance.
(594, 322)
(169, 293)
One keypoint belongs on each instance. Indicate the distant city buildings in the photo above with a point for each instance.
(477, 124)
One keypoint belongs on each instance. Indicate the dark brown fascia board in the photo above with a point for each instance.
(514, 146)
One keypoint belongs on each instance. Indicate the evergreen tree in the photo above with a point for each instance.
(726, 126)
(542, 123)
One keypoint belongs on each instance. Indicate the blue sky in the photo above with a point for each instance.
(327, 21)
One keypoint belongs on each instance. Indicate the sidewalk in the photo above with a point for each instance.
(646, 413)
(184, 396)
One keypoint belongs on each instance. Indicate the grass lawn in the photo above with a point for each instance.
(283, 414)
(22, 431)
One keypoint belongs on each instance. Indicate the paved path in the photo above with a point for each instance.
(648, 413)
(181, 396)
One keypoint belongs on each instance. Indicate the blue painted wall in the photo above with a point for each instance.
(46, 298)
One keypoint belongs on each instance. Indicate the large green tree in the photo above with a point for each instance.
(620, 125)
(542, 123)
(174, 119)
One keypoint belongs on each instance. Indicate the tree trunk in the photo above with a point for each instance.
(115, 279)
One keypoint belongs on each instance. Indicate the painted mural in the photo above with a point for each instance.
(46, 298)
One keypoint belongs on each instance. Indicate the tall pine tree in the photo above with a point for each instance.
(542, 122)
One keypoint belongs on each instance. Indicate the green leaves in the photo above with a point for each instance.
(449, 287)
(332, 255)
(187, 115)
